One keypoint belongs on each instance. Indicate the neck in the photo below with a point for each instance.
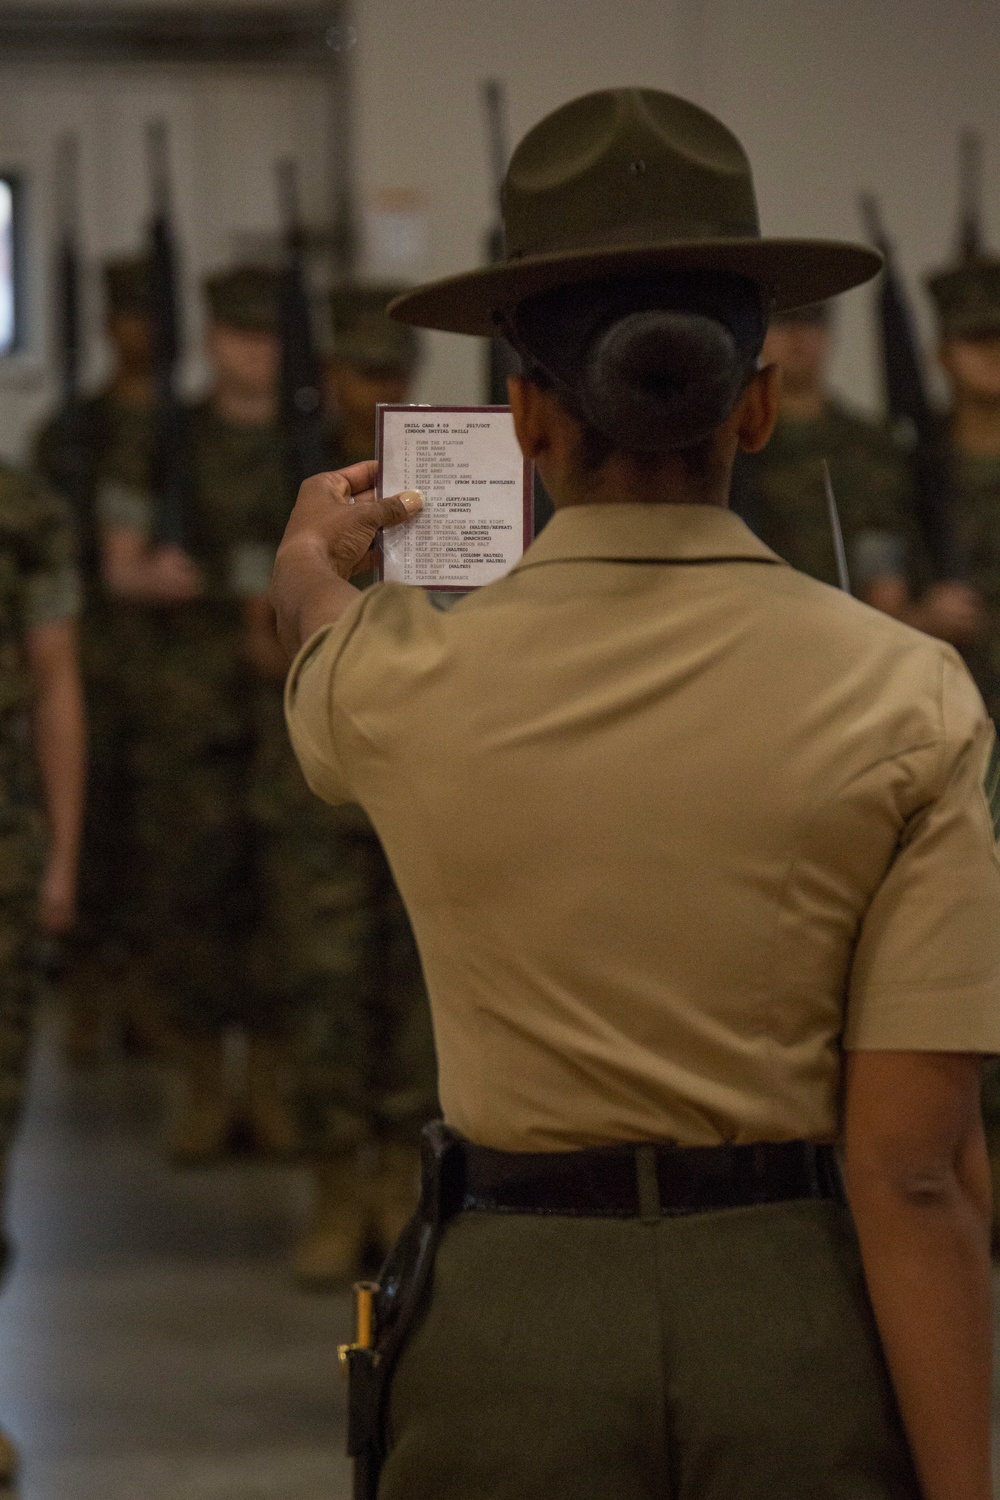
(975, 428)
(242, 407)
(623, 481)
(805, 405)
(132, 388)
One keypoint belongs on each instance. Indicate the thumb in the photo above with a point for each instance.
(394, 509)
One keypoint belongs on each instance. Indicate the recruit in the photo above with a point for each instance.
(701, 872)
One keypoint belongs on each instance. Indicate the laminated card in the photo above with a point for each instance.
(476, 520)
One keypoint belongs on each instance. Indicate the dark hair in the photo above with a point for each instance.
(648, 365)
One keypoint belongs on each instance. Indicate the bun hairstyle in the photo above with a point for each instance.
(653, 365)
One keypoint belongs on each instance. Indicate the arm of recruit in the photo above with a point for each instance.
(918, 1182)
(59, 738)
(328, 539)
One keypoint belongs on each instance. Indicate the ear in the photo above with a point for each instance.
(757, 409)
(531, 412)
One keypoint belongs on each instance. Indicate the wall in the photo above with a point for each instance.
(829, 96)
(228, 126)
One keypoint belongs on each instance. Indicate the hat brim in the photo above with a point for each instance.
(791, 273)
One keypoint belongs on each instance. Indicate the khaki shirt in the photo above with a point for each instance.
(674, 824)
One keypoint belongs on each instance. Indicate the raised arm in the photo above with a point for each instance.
(919, 1187)
(328, 539)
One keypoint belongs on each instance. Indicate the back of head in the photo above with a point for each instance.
(653, 364)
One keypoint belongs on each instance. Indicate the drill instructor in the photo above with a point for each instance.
(703, 882)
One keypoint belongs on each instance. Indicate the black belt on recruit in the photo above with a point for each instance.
(645, 1181)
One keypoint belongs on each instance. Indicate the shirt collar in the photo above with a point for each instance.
(647, 533)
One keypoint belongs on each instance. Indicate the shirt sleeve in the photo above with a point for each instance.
(310, 708)
(51, 590)
(926, 970)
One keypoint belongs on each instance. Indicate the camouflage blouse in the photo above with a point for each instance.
(783, 497)
(38, 586)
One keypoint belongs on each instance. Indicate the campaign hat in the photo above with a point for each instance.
(632, 181)
(245, 297)
(364, 337)
(967, 297)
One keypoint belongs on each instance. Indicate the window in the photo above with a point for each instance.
(9, 227)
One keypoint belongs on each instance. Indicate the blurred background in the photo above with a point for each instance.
(160, 1334)
(382, 110)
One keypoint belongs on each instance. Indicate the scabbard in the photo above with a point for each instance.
(394, 1305)
(363, 1402)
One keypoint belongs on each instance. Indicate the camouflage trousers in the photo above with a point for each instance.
(112, 875)
(20, 856)
(349, 969)
(204, 889)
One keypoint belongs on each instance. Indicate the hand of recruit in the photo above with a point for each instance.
(328, 539)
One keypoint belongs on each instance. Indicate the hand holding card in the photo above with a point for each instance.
(476, 520)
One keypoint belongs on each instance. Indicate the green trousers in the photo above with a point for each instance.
(729, 1355)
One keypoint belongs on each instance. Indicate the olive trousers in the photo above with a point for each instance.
(729, 1355)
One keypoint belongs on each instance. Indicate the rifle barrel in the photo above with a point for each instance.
(67, 195)
(495, 106)
(970, 159)
(871, 216)
(289, 201)
(158, 163)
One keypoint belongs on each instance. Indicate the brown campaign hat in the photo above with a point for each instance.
(630, 181)
(364, 337)
(967, 297)
(244, 297)
(127, 285)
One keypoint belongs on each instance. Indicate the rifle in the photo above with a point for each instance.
(300, 402)
(70, 447)
(909, 407)
(169, 471)
(67, 271)
(970, 177)
(501, 360)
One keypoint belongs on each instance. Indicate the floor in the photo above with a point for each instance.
(151, 1344)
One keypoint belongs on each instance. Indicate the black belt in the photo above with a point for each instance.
(645, 1180)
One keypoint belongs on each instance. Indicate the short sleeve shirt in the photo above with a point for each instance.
(675, 824)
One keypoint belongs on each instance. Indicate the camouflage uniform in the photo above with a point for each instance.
(196, 733)
(784, 500)
(967, 302)
(366, 1069)
(111, 879)
(38, 586)
(104, 441)
(346, 961)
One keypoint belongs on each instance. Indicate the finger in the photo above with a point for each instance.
(393, 510)
(356, 478)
